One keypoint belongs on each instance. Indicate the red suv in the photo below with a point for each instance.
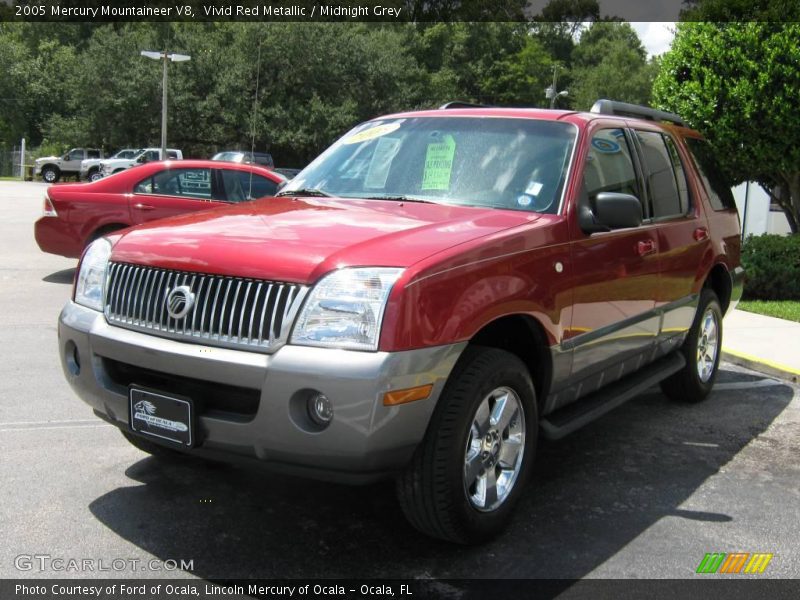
(431, 294)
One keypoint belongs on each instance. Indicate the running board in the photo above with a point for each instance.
(571, 418)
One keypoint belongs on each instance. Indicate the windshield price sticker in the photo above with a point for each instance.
(439, 164)
(371, 133)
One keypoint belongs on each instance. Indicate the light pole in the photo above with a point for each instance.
(550, 92)
(165, 57)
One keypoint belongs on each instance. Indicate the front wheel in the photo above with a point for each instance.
(702, 350)
(50, 174)
(470, 469)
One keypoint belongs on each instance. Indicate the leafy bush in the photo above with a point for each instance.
(772, 263)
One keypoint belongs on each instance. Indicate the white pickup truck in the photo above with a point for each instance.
(90, 168)
(53, 168)
(115, 165)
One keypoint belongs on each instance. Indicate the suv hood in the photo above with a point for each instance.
(301, 239)
(47, 159)
(115, 161)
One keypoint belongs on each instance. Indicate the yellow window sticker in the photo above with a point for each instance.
(371, 133)
(439, 164)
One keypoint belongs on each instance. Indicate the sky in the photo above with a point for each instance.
(656, 37)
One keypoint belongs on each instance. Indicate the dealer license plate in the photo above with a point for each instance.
(162, 416)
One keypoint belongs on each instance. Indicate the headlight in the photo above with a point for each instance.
(90, 288)
(345, 309)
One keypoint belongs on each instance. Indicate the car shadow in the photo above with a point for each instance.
(590, 496)
(63, 276)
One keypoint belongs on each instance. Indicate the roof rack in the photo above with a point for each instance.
(623, 109)
(460, 104)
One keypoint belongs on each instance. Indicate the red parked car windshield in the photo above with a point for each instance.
(512, 163)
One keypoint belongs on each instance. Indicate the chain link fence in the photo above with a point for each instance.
(10, 162)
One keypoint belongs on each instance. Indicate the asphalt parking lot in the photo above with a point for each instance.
(644, 492)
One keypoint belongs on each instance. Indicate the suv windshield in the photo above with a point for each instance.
(474, 161)
(126, 154)
(228, 156)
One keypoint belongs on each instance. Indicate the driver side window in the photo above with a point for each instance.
(609, 166)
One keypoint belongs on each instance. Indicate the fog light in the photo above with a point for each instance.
(320, 409)
(72, 358)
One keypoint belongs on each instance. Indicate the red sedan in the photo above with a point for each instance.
(76, 214)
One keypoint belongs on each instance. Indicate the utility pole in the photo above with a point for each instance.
(550, 93)
(163, 56)
(22, 160)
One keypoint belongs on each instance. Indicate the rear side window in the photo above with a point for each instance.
(609, 167)
(93, 154)
(680, 174)
(718, 188)
(666, 182)
(192, 183)
(241, 186)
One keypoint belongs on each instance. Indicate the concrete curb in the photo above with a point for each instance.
(761, 365)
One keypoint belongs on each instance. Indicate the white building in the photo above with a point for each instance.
(756, 212)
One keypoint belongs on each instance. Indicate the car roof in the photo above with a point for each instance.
(544, 114)
(196, 163)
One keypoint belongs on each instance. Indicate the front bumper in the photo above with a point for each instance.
(365, 440)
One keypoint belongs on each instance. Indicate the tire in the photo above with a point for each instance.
(50, 174)
(95, 175)
(151, 448)
(702, 350)
(443, 491)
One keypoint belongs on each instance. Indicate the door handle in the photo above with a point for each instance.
(700, 234)
(645, 247)
(140, 206)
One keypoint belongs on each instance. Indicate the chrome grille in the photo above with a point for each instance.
(228, 311)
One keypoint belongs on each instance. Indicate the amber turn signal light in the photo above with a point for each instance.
(407, 395)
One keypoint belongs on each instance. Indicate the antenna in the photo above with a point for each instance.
(253, 120)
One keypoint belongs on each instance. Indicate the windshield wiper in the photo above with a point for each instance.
(314, 192)
(400, 199)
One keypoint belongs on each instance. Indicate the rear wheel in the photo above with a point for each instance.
(95, 175)
(702, 350)
(468, 473)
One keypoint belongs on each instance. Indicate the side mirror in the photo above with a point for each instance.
(618, 211)
(65, 157)
(142, 159)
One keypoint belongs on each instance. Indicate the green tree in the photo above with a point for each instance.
(720, 11)
(14, 58)
(610, 62)
(334, 76)
(490, 63)
(559, 22)
(739, 84)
